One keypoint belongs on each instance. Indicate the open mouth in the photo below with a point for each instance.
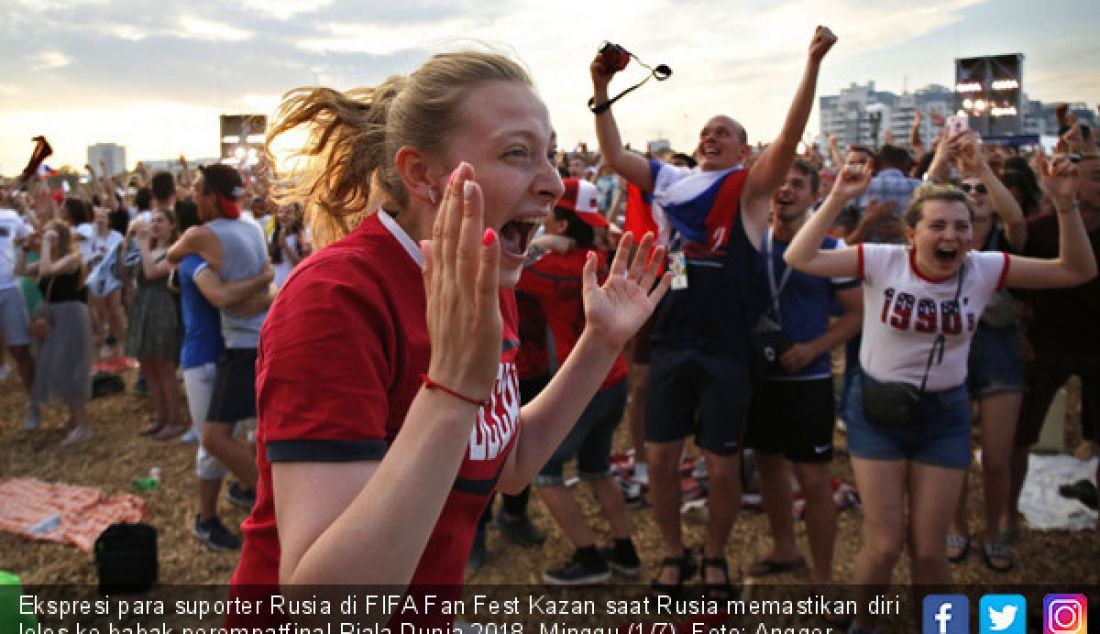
(783, 199)
(710, 152)
(516, 234)
(946, 255)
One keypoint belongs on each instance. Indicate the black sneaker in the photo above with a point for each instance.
(240, 497)
(519, 530)
(623, 560)
(579, 572)
(215, 535)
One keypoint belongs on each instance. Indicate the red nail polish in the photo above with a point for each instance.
(489, 237)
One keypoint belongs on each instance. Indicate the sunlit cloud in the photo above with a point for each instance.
(284, 9)
(203, 29)
(49, 60)
(47, 6)
(127, 32)
(188, 62)
(384, 39)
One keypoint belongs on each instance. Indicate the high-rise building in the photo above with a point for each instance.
(657, 146)
(861, 115)
(113, 155)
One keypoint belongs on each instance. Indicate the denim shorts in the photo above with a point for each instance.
(995, 364)
(589, 440)
(940, 437)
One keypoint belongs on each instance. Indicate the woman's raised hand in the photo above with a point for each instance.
(462, 279)
(1058, 178)
(852, 180)
(616, 309)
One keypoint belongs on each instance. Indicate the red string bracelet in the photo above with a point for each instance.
(431, 385)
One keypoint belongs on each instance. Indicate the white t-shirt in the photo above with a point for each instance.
(12, 228)
(84, 234)
(903, 311)
(285, 266)
(100, 246)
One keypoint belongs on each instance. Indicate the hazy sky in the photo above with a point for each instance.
(154, 76)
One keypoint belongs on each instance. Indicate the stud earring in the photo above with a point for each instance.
(433, 195)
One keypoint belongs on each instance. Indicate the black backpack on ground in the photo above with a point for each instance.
(126, 558)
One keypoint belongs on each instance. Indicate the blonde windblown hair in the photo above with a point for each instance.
(354, 136)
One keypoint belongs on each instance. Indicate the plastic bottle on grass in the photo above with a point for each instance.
(150, 482)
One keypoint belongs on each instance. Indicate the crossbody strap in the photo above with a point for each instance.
(941, 341)
(49, 290)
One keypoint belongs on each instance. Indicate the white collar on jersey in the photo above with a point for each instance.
(403, 238)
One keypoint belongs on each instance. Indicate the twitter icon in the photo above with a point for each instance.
(1003, 614)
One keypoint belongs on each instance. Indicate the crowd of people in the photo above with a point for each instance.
(443, 287)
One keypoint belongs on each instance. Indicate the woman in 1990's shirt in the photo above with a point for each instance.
(909, 299)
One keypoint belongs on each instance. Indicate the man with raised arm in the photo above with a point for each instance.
(699, 363)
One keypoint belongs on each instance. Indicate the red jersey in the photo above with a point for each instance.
(339, 362)
(533, 359)
(639, 212)
(556, 280)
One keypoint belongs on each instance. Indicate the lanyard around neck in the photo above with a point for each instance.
(775, 288)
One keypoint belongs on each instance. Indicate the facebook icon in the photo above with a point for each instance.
(946, 614)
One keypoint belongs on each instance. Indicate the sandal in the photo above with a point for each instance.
(958, 547)
(717, 590)
(170, 431)
(151, 428)
(997, 556)
(78, 434)
(685, 566)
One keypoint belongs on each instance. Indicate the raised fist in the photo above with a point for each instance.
(822, 42)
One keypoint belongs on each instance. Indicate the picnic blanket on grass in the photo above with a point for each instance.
(65, 513)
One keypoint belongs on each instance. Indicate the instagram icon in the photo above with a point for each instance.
(1065, 614)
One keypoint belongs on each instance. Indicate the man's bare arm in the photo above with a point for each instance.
(771, 167)
(200, 241)
(633, 167)
(244, 297)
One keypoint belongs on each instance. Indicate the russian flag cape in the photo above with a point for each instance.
(699, 205)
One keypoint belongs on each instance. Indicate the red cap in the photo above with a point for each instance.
(582, 198)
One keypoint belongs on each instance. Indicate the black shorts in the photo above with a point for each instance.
(700, 393)
(234, 397)
(793, 418)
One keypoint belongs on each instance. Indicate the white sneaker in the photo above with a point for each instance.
(190, 437)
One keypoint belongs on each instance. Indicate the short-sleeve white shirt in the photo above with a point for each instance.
(12, 228)
(904, 310)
